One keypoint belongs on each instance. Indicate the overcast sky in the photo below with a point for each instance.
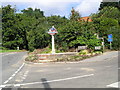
(57, 7)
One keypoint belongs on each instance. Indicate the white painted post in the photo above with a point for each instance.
(103, 45)
(53, 45)
(110, 45)
(18, 48)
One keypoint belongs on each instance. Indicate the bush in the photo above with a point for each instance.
(46, 50)
(83, 52)
(31, 58)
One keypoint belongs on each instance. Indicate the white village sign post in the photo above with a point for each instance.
(52, 32)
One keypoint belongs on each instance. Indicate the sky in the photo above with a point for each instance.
(56, 7)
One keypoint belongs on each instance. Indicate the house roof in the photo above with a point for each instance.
(87, 18)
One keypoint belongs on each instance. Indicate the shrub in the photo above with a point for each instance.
(31, 58)
(83, 52)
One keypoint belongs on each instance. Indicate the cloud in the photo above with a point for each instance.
(58, 7)
(51, 8)
(86, 7)
(40, 1)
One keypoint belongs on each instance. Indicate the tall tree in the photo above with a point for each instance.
(113, 4)
(9, 34)
(37, 13)
(74, 15)
(107, 21)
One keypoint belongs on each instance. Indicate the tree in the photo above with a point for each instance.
(37, 13)
(106, 4)
(9, 34)
(74, 15)
(56, 21)
(104, 21)
(109, 12)
(75, 34)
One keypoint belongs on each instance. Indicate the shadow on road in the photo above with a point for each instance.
(45, 83)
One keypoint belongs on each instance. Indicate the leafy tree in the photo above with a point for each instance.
(75, 15)
(107, 4)
(76, 34)
(37, 13)
(109, 12)
(38, 37)
(23, 26)
(56, 21)
(9, 34)
(106, 19)
(16, 27)
(115, 31)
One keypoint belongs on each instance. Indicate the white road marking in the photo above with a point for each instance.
(87, 69)
(25, 75)
(14, 73)
(2, 86)
(114, 85)
(57, 80)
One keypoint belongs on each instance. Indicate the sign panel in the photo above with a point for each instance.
(110, 36)
(82, 47)
(52, 31)
(97, 47)
(110, 39)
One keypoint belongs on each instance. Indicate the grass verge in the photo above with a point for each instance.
(3, 51)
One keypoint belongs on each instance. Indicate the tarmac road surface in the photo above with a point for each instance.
(96, 72)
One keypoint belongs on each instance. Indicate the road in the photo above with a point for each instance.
(97, 72)
(10, 63)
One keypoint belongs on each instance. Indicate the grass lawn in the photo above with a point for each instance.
(2, 51)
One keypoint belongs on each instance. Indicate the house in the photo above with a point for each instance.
(85, 19)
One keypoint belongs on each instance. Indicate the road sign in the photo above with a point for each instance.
(82, 47)
(97, 47)
(52, 31)
(110, 38)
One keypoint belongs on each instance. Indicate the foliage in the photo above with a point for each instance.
(107, 21)
(107, 4)
(23, 29)
(46, 50)
(28, 29)
(74, 15)
(2, 51)
(31, 58)
(75, 34)
(8, 32)
(83, 52)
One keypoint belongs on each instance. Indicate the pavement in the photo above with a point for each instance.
(96, 72)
